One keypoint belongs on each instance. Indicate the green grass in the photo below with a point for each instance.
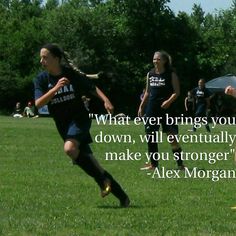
(42, 193)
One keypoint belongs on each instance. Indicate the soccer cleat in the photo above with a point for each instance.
(107, 189)
(233, 208)
(148, 167)
(125, 203)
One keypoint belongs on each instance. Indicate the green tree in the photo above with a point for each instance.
(116, 36)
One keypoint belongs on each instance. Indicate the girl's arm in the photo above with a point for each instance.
(144, 100)
(175, 84)
(43, 100)
(185, 104)
(107, 104)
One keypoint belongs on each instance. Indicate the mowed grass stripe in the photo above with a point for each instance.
(41, 193)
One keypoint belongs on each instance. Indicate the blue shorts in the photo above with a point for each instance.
(78, 131)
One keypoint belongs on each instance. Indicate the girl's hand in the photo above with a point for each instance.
(165, 104)
(61, 83)
(140, 112)
(109, 107)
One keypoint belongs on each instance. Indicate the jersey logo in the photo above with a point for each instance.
(200, 93)
(157, 82)
(65, 89)
(65, 94)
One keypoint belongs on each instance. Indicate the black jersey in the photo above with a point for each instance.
(160, 89)
(67, 104)
(160, 85)
(200, 95)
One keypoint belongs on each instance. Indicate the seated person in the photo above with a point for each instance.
(17, 113)
(29, 110)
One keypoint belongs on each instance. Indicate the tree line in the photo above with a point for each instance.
(118, 37)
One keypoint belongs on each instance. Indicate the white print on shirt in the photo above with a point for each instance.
(156, 81)
(200, 93)
(65, 89)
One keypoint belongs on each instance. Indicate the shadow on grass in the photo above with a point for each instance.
(190, 169)
(117, 207)
(130, 207)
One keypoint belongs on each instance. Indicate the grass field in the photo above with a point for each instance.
(42, 193)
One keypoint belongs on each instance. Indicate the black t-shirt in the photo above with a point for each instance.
(200, 95)
(67, 104)
(160, 86)
(160, 89)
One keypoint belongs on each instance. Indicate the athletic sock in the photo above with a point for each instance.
(152, 149)
(90, 165)
(208, 128)
(177, 155)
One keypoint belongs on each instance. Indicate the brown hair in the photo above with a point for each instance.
(167, 58)
(64, 57)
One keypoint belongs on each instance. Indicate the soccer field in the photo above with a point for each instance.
(42, 193)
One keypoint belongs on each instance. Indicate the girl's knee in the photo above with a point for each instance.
(175, 146)
(71, 149)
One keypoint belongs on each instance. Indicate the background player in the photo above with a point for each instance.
(162, 90)
(202, 101)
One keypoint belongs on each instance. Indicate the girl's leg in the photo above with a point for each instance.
(176, 149)
(90, 165)
(152, 143)
(152, 149)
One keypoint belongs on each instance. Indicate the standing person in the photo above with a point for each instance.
(232, 92)
(61, 87)
(189, 104)
(202, 101)
(229, 90)
(162, 89)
